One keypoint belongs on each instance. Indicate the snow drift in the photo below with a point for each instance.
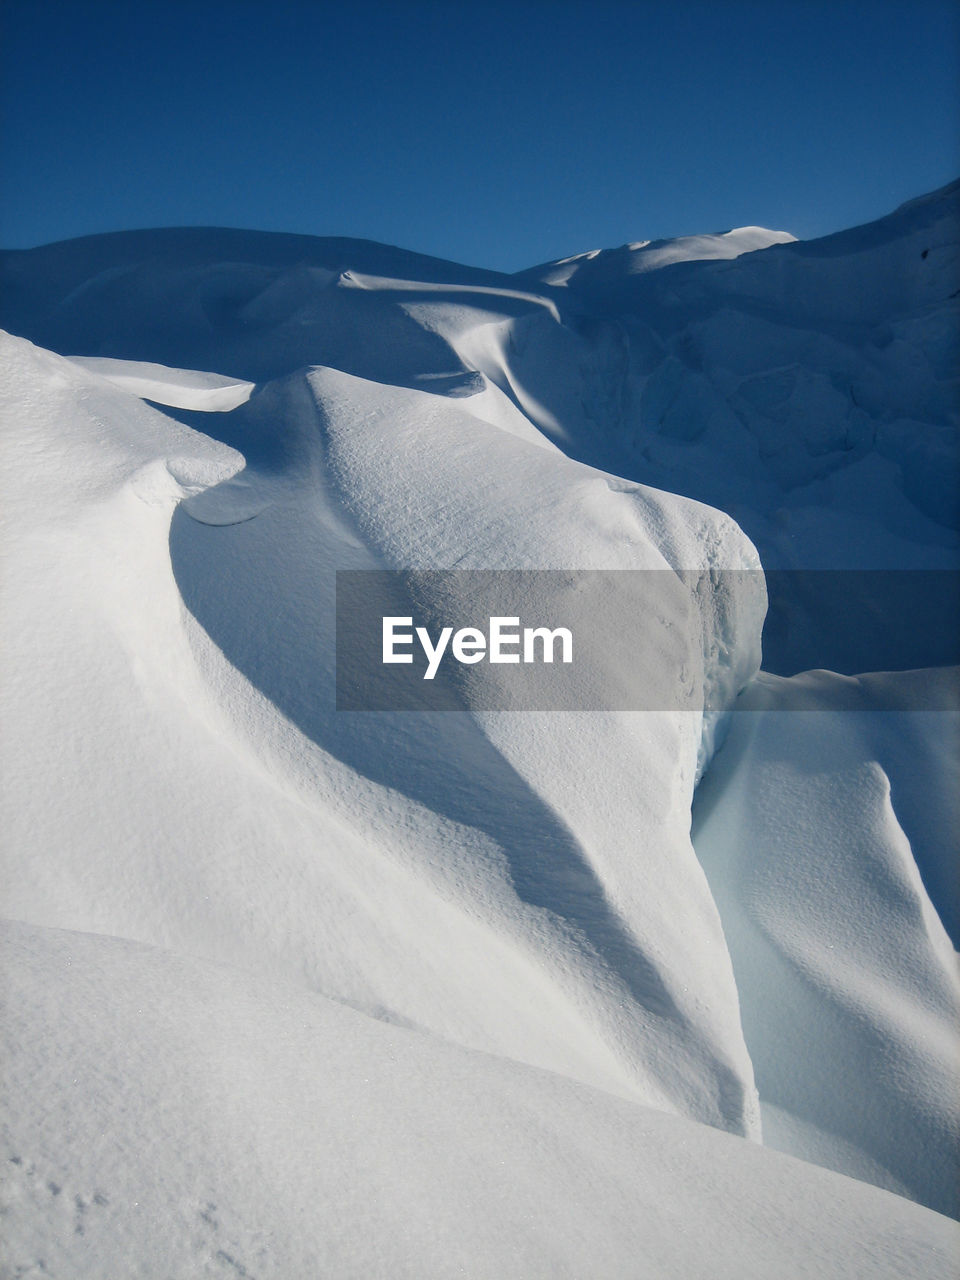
(205, 1122)
(446, 993)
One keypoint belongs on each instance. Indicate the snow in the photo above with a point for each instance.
(258, 580)
(834, 937)
(180, 388)
(608, 265)
(289, 1135)
(492, 992)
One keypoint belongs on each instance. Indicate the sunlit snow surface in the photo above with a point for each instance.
(295, 991)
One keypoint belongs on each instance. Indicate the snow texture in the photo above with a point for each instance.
(290, 990)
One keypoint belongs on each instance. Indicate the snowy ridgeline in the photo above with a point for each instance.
(299, 991)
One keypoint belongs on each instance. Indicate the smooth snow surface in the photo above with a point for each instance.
(287, 1135)
(296, 991)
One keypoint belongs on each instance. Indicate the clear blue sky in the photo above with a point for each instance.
(500, 134)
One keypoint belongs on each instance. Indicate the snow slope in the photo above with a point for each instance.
(188, 1119)
(809, 389)
(225, 889)
(847, 978)
(605, 268)
(603, 980)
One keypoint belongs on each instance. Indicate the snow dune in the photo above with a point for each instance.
(593, 988)
(447, 993)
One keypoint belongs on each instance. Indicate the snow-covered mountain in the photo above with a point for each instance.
(295, 990)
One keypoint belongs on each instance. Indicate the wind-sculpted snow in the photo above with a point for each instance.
(848, 981)
(247, 304)
(809, 389)
(180, 388)
(579, 1001)
(423, 485)
(624, 968)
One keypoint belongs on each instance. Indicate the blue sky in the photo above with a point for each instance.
(497, 134)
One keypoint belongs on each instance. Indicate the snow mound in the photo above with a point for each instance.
(210, 746)
(290, 1136)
